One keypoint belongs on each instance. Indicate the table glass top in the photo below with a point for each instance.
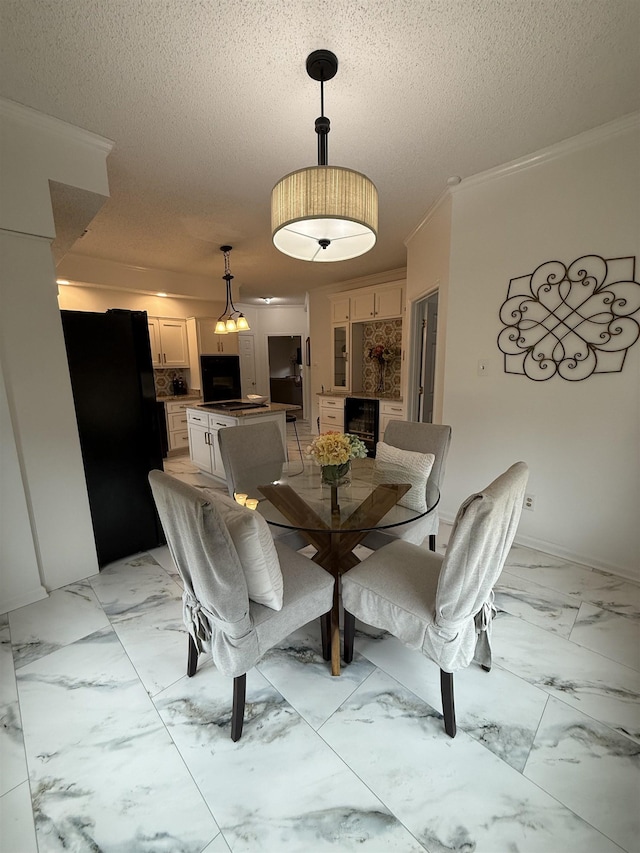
(309, 507)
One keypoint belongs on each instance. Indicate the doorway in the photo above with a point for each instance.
(285, 369)
(426, 314)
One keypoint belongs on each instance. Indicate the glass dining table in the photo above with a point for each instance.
(334, 520)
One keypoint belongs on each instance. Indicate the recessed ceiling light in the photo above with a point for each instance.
(161, 294)
(62, 281)
(266, 299)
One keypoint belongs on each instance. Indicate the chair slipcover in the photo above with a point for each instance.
(216, 607)
(443, 606)
(253, 456)
(246, 450)
(421, 438)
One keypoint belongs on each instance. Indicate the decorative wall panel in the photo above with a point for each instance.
(570, 321)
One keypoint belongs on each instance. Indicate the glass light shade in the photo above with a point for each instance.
(231, 325)
(242, 324)
(220, 328)
(324, 203)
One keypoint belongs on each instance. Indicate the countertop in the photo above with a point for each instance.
(359, 395)
(267, 409)
(180, 398)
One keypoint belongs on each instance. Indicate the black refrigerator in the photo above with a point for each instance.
(109, 359)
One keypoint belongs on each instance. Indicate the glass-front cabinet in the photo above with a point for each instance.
(340, 355)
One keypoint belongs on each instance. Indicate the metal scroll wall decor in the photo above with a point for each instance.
(571, 321)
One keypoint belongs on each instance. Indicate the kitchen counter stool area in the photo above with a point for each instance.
(107, 744)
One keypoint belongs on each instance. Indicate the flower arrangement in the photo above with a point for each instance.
(381, 353)
(336, 448)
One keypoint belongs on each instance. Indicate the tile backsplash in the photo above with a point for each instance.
(389, 334)
(163, 378)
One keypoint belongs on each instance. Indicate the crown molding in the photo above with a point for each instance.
(431, 212)
(384, 277)
(544, 155)
(42, 122)
(556, 151)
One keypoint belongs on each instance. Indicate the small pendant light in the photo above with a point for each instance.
(227, 321)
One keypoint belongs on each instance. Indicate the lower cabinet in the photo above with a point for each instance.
(204, 450)
(177, 432)
(203, 429)
(331, 414)
(389, 411)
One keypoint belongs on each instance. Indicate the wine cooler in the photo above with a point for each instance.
(361, 419)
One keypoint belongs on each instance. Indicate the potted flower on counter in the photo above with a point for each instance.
(333, 451)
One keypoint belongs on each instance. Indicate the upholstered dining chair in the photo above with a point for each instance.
(418, 438)
(243, 449)
(441, 606)
(243, 592)
(252, 456)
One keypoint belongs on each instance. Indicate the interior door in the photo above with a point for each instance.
(428, 323)
(246, 345)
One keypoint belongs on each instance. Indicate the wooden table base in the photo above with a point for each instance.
(335, 543)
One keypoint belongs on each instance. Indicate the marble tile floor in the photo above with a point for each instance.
(106, 745)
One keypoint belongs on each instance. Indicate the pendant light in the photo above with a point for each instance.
(324, 213)
(227, 321)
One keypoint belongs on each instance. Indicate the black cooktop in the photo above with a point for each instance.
(233, 405)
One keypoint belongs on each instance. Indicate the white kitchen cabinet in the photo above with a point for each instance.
(363, 306)
(388, 303)
(380, 303)
(168, 339)
(340, 356)
(177, 431)
(203, 429)
(340, 309)
(331, 414)
(390, 410)
(199, 448)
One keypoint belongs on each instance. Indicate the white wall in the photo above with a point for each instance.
(20, 576)
(428, 257)
(85, 298)
(43, 443)
(580, 439)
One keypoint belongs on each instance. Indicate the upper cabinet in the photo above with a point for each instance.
(377, 304)
(201, 329)
(168, 339)
(340, 309)
(340, 353)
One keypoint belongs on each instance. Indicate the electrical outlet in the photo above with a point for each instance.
(529, 502)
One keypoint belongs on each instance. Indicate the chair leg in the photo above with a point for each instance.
(237, 713)
(349, 633)
(432, 542)
(325, 628)
(448, 707)
(192, 657)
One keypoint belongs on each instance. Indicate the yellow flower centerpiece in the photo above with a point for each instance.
(333, 451)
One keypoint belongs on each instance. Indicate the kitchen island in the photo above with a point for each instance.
(207, 419)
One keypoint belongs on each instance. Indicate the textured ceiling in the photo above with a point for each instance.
(209, 104)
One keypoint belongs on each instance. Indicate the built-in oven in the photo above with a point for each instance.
(220, 377)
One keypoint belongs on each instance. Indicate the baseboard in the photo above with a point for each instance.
(554, 550)
(25, 597)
